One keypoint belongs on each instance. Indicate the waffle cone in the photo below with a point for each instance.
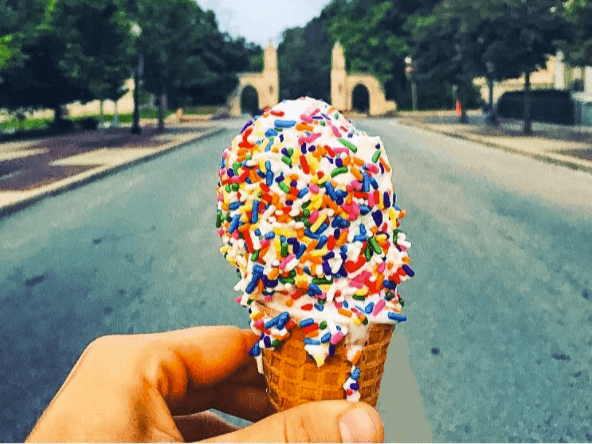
(293, 377)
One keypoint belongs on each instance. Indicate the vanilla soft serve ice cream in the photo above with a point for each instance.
(308, 216)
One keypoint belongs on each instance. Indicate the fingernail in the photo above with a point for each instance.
(357, 426)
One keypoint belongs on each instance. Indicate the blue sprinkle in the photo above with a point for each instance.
(394, 198)
(365, 183)
(369, 308)
(397, 317)
(306, 322)
(331, 349)
(234, 223)
(234, 206)
(257, 232)
(336, 233)
(308, 341)
(310, 234)
(269, 145)
(396, 207)
(355, 374)
(269, 178)
(343, 249)
(360, 238)
(377, 216)
(230, 172)
(269, 235)
(267, 341)
(345, 304)
(374, 183)
(389, 284)
(354, 386)
(337, 222)
(251, 287)
(408, 270)
(255, 350)
(284, 123)
(315, 289)
(330, 190)
(268, 165)
(273, 283)
(364, 209)
(322, 228)
(303, 192)
(255, 212)
(258, 270)
(280, 178)
(301, 251)
(271, 132)
(386, 200)
(329, 255)
(326, 268)
(272, 322)
(260, 173)
(326, 338)
(319, 307)
(282, 238)
(322, 241)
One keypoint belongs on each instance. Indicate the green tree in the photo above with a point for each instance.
(460, 38)
(578, 49)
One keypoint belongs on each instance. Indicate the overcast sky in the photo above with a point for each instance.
(261, 20)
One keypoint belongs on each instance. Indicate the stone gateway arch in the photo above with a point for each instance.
(266, 84)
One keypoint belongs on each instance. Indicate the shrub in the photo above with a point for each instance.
(547, 105)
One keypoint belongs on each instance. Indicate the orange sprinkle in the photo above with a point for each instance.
(257, 316)
(289, 302)
(291, 197)
(389, 265)
(274, 273)
(374, 229)
(294, 177)
(357, 173)
(313, 334)
(322, 150)
(379, 280)
(329, 202)
(275, 199)
(356, 357)
(343, 311)
(311, 258)
(300, 234)
(406, 260)
(313, 244)
(303, 127)
(302, 284)
(402, 214)
(358, 161)
(299, 271)
(260, 285)
(387, 168)
(330, 110)
(263, 252)
(342, 239)
(254, 177)
(225, 206)
(244, 228)
(349, 199)
(346, 161)
(284, 218)
(313, 269)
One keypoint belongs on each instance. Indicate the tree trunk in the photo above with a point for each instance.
(160, 104)
(58, 117)
(463, 96)
(527, 129)
(101, 115)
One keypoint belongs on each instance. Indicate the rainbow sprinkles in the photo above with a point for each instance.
(308, 216)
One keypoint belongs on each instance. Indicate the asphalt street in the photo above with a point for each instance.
(498, 342)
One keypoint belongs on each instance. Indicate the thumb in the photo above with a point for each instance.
(323, 421)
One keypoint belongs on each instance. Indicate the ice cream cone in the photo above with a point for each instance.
(294, 378)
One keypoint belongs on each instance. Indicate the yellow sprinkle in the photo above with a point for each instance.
(278, 244)
(318, 222)
(323, 251)
(325, 287)
(362, 292)
(302, 281)
(257, 316)
(224, 249)
(262, 165)
(357, 320)
(284, 232)
(392, 214)
(381, 237)
(320, 361)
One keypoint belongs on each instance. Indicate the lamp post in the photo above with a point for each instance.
(409, 73)
(136, 32)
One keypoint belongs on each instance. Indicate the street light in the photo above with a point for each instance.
(409, 74)
(136, 32)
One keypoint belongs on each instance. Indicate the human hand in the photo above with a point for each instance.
(159, 387)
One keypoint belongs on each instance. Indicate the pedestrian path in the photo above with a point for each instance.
(569, 146)
(33, 169)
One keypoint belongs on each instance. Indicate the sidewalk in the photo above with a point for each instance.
(570, 146)
(33, 169)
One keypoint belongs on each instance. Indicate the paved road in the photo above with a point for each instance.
(498, 343)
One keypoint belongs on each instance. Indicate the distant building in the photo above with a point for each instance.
(557, 74)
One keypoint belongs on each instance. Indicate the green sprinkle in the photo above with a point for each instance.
(358, 297)
(290, 152)
(219, 219)
(350, 145)
(259, 194)
(292, 274)
(401, 301)
(285, 188)
(284, 249)
(235, 187)
(228, 217)
(375, 246)
(255, 255)
(376, 156)
(322, 123)
(389, 295)
(275, 343)
(338, 171)
(306, 204)
(306, 213)
(228, 188)
(287, 160)
(336, 116)
(236, 166)
(365, 321)
(323, 325)
(321, 281)
(284, 280)
(368, 253)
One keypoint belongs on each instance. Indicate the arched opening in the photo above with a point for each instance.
(361, 99)
(249, 101)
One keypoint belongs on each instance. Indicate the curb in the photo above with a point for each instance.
(57, 188)
(541, 157)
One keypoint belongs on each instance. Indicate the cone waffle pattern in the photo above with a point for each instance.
(293, 377)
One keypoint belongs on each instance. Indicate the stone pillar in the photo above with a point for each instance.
(269, 92)
(588, 80)
(559, 73)
(339, 92)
